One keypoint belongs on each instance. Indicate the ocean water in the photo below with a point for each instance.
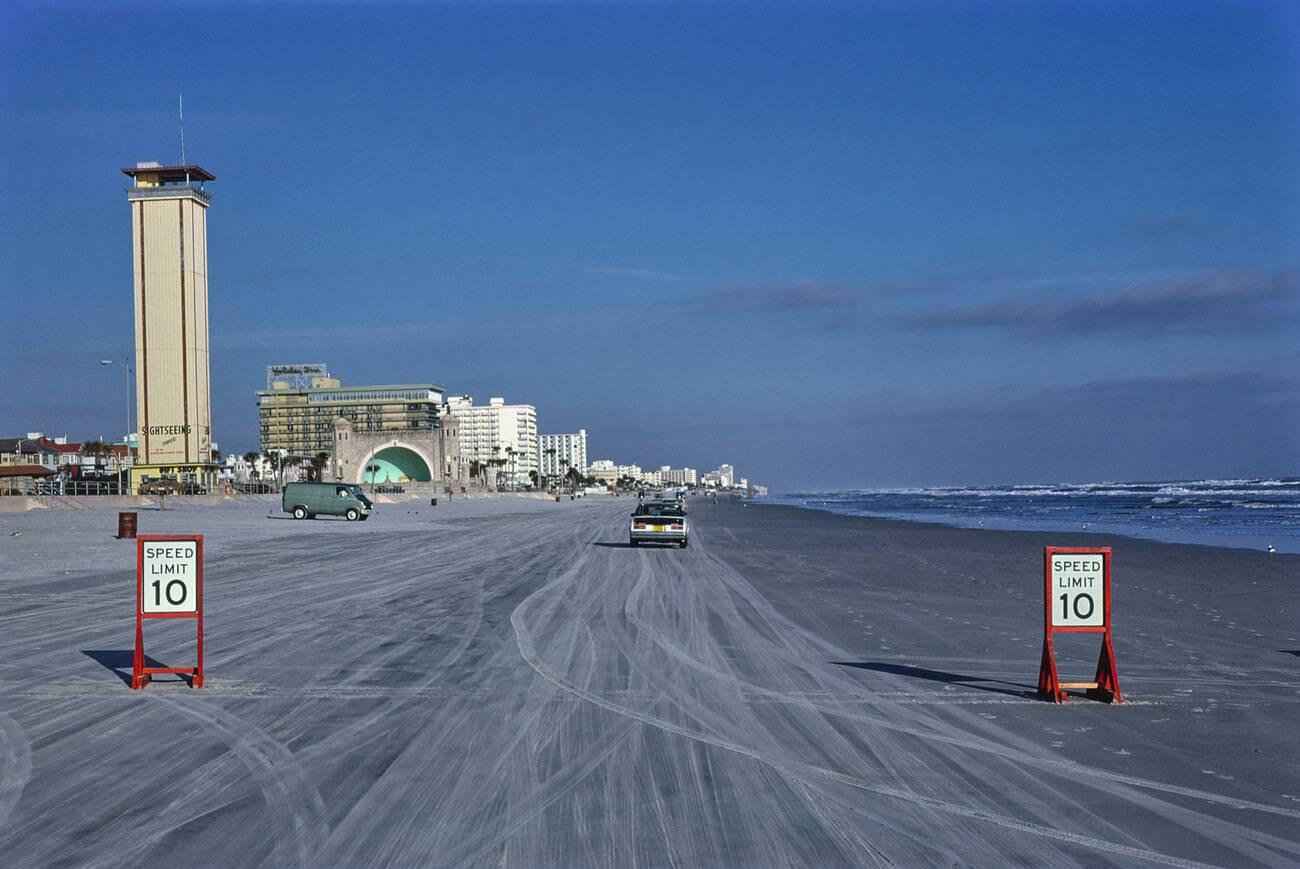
(1250, 514)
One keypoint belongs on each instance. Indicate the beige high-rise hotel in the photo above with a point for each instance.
(169, 242)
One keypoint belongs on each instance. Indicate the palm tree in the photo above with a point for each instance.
(550, 451)
(288, 462)
(273, 459)
(318, 463)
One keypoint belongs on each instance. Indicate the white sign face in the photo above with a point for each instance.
(1078, 590)
(171, 576)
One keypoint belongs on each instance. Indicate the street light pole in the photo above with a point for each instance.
(125, 365)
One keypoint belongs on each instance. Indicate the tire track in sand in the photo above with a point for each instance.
(295, 806)
(15, 765)
(805, 772)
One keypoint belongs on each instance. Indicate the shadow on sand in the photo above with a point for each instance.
(118, 662)
(1016, 689)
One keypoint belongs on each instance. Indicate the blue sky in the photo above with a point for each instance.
(834, 245)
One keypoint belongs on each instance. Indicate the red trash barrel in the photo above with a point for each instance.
(126, 526)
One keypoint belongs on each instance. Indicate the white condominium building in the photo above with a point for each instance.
(723, 478)
(726, 476)
(678, 476)
(559, 452)
(500, 433)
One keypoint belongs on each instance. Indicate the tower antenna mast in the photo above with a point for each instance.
(181, 99)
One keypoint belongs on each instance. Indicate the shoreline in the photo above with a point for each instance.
(1258, 543)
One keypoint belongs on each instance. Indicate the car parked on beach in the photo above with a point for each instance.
(659, 522)
(309, 500)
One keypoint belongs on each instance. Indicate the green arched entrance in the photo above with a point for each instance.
(395, 465)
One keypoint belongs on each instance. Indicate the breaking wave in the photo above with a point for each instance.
(1237, 512)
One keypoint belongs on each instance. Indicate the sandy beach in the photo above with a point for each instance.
(503, 682)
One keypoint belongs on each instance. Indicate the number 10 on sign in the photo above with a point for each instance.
(168, 585)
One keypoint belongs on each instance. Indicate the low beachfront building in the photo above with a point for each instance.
(34, 449)
(610, 472)
(557, 453)
(97, 458)
(18, 479)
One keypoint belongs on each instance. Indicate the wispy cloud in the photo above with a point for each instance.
(780, 299)
(1163, 227)
(812, 296)
(1226, 423)
(629, 272)
(1208, 303)
(1196, 393)
(830, 309)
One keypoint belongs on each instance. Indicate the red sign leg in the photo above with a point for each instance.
(138, 676)
(196, 681)
(1049, 682)
(1107, 672)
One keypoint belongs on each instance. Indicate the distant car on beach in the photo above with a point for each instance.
(659, 522)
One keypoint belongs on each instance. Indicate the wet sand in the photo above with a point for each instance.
(506, 683)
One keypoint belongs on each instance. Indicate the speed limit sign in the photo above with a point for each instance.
(168, 585)
(171, 575)
(1078, 582)
(1076, 599)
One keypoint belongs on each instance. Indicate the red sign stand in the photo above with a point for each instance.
(1076, 599)
(174, 591)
